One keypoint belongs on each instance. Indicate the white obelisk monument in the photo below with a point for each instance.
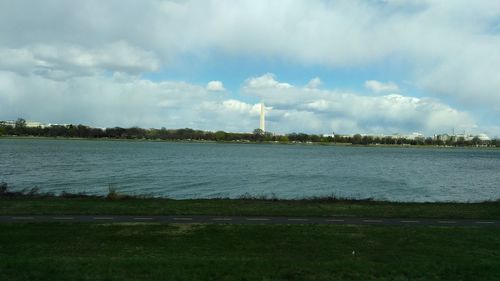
(262, 117)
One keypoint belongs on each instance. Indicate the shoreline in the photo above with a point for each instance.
(247, 142)
(115, 194)
(12, 203)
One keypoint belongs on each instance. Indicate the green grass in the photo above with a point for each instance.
(54, 252)
(134, 206)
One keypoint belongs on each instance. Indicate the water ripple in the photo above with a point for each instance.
(184, 170)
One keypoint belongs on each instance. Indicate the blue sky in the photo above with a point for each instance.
(381, 67)
(235, 70)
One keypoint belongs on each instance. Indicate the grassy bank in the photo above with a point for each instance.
(19, 205)
(243, 252)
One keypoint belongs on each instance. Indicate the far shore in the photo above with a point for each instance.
(248, 142)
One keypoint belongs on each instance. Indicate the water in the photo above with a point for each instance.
(207, 170)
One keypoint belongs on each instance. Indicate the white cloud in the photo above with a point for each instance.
(266, 81)
(314, 83)
(470, 78)
(320, 111)
(19, 60)
(64, 61)
(241, 107)
(215, 86)
(104, 101)
(379, 87)
(131, 101)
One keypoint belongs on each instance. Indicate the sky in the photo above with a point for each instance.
(373, 67)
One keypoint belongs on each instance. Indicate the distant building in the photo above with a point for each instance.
(345, 136)
(443, 137)
(8, 123)
(35, 124)
(29, 124)
(415, 136)
(62, 125)
(395, 136)
(462, 137)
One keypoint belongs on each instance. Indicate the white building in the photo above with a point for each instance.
(415, 136)
(8, 123)
(35, 124)
(484, 137)
(29, 124)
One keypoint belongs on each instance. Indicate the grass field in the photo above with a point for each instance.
(133, 206)
(246, 252)
(140, 251)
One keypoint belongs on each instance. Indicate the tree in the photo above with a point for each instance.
(20, 123)
(315, 138)
(284, 139)
(258, 135)
(365, 140)
(258, 132)
(220, 136)
(20, 126)
(460, 141)
(496, 142)
(356, 139)
(476, 141)
(268, 136)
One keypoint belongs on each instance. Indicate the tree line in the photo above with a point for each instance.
(82, 131)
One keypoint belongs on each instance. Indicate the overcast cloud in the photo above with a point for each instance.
(88, 62)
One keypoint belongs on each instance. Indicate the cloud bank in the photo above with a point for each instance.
(124, 100)
(69, 60)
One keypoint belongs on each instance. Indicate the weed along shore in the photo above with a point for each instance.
(33, 203)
